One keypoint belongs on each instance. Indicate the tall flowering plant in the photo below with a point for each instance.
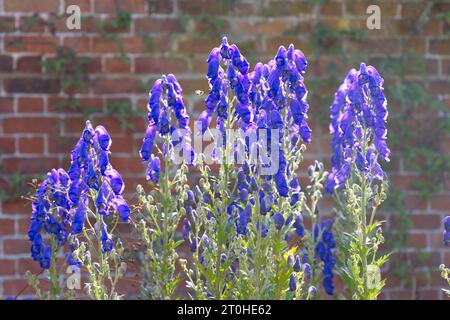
(357, 181)
(253, 232)
(80, 210)
(161, 209)
(241, 229)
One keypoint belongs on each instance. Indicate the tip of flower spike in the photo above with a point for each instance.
(224, 40)
(363, 68)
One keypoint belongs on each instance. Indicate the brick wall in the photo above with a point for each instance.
(175, 36)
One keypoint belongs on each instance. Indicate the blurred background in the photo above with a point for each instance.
(53, 78)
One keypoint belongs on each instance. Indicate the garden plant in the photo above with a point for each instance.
(251, 225)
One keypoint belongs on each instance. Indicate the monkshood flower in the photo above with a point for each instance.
(357, 181)
(324, 251)
(65, 201)
(358, 115)
(50, 222)
(279, 84)
(227, 70)
(168, 119)
(446, 233)
(91, 170)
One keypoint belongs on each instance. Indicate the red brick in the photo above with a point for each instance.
(16, 207)
(152, 24)
(23, 225)
(7, 227)
(12, 287)
(31, 145)
(417, 240)
(122, 85)
(28, 265)
(281, 8)
(38, 44)
(31, 85)
(439, 87)
(158, 6)
(61, 145)
(30, 64)
(440, 46)
(198, 45)
(7, 145)
(33, 23)
(28, 104)
(118, 65)
(16, 246)
(7, 267)
(6, 63)
(437, 240)
(78, 44)
(425, 221)
(335, 9)
(6, 104)
(428, 294)
(32, 6)
(112, 6)
(130, 45)
(57, 104)
(85, 5)
(7, 24)
(204, 6)
(441, 202)
(30, 125)
(160, 65)
(401, 294)
(29, 165)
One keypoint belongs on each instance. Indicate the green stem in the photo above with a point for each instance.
(364, 222)
(54, 289)
(166, 195)
(257, 249)
(101, 275)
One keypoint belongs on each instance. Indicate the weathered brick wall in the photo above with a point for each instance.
(175, 36)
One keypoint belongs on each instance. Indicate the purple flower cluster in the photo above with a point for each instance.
(62, 200)
(358, 115)
(51, 215)
(324, 251)
(446, 233)
(272, 96)
(167, 116)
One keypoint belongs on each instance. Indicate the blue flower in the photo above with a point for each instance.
(78, 219)
(281, 184)
(122, 208)
(154, 169)
(292, 283)
(324, 251)
(279, 220)
(307, 273)
(193, 245)
(149, 141)
(312, 292)
(446, 233)
(116, 181)
(103, 138)
(106, 239)
(359, 104)
(297, 266)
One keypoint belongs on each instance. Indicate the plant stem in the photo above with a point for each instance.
(166, 195)
(363, 221)
(54, 290)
